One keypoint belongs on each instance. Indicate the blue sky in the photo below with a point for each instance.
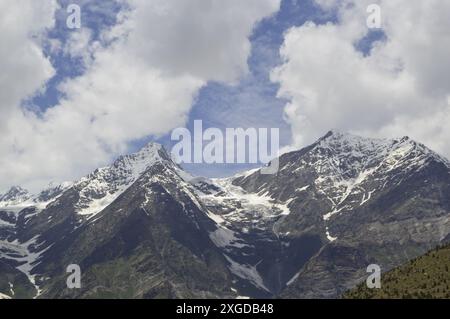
(73, 100)
(251, 102)
(96, 16)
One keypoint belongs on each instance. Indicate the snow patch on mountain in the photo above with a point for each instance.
(27, 254)
(293, 279)
(99, 189)
(17, 199)
(4, 223)
(329, 237)
(247, 272)
(226, 238)
(246, 202)
(14, 197)
(346, 164)
(3, 296)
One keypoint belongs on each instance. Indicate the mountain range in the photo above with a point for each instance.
(145, 228)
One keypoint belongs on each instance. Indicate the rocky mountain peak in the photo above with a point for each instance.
(333, 208)
(14, 195)
(16, 191)
(341, 149)
(345, 169)
(52, 191)
(104, 185)
(145, 157)
(346, 161)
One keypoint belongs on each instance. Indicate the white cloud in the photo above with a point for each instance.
(79, 45)
(24, 69)
(143, 84)
(206, 39)
(400, 88)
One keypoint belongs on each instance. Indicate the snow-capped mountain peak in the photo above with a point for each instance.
(350, 168)
(341, 140)
(348, 171)
(272, 232)
(14, 196)
(134, 164)
(51, 192)
(104, 185)
(346, 155)
(98, 189)
(17, 198)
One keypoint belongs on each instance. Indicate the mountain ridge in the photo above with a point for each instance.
(343, 201)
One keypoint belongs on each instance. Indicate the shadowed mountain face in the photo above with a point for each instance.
(135, 228)
(144, 228)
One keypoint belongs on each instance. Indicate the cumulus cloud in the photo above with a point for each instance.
(79, 45)
(206, 39)
(401, 87)
(24, 69)
(141, 79)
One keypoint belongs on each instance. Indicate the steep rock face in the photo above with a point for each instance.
(262, 259)
(144, 228)
(14, 196)
(14, 283)
(150, 242)
(371, 201)
(136, 230)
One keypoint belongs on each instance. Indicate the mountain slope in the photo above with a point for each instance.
(427, 276)
(135, 229)
(149, 240)
(368, 200)
(14, 196)
(144, 228)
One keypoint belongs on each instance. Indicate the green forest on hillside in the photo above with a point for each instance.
(427, 276)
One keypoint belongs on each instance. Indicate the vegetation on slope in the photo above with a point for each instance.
(427, 276)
